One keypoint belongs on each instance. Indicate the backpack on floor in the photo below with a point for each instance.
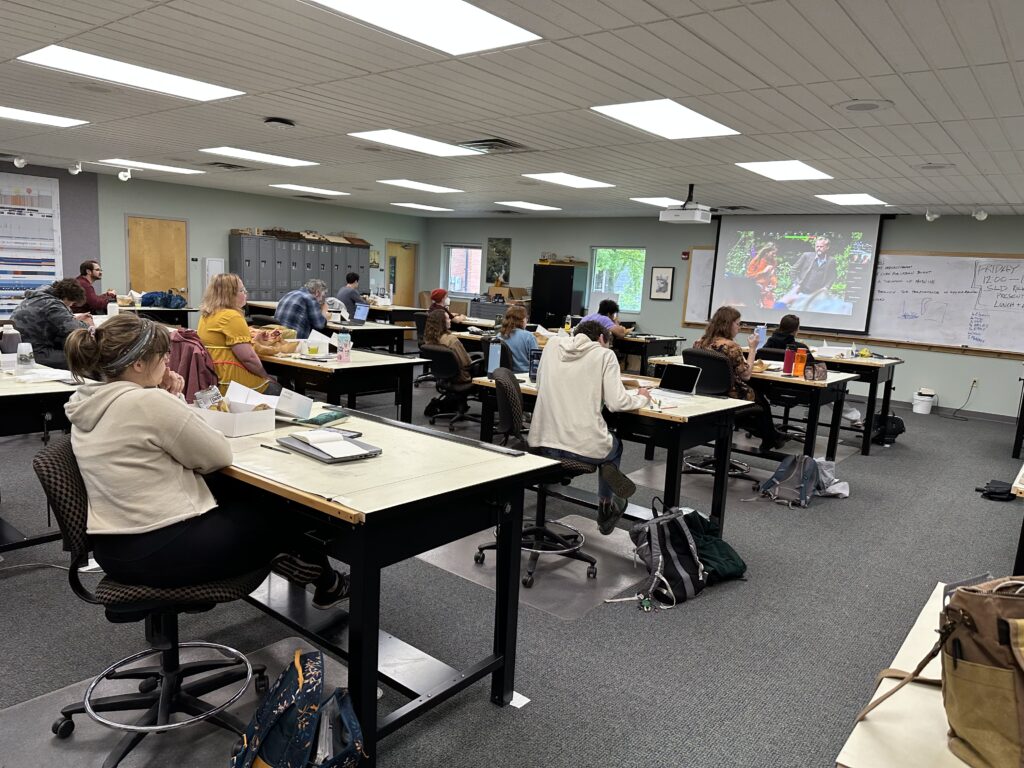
(892, 427)
(721, 562)
(794, 481)
(667, 548)
(293, 728)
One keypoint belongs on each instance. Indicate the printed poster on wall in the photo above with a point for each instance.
(30, 252)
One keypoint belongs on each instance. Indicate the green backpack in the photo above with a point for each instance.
(721, 562)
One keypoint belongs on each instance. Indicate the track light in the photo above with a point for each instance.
(929, 216)
(125, 175)
(980, 214)
(20, 162)
(75, 169)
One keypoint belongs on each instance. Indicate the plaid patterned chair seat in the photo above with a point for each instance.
(121, 598)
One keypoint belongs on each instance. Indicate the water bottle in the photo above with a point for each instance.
(344, 348)
(762, 335)
(799, 363)
(26, 358)
(787, 360)
(568, 323)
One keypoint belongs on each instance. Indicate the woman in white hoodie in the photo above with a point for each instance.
(143, 453)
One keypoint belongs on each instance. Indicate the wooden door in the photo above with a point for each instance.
(401, 270)
(157, 255)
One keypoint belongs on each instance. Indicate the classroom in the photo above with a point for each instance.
(601, 180)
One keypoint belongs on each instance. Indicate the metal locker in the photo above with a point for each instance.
(249, 267)
(339, 268)
(282, 268)
(265, 290)
(363, 263)
(311, 262)
(296, 264)
(325, 264)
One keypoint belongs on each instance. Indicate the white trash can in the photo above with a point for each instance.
(924, 400)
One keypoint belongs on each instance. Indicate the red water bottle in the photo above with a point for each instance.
(787, 361)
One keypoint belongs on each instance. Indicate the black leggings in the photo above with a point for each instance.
(757, 419)
(229, 540)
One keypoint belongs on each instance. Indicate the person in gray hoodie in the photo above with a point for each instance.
(144, 453)
(44, 319)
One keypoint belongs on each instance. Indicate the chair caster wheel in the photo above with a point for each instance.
(451, 427)
(478, 558)
(528, 580)
(147, 685)
(592, 572)
(62, 727)
(262, 684)
(432, 422)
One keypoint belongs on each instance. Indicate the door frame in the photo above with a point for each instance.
(188, 251)
(419, 250)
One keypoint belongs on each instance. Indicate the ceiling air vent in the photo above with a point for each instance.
(735, 208)
(228, 166)
(310, 197)
(494, 146)
(505, 212)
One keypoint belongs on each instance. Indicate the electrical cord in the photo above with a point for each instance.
(953, 416)
(34, 565)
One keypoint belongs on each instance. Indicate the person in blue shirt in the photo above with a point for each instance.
(608, 316)
(519, 340)
(304, 310)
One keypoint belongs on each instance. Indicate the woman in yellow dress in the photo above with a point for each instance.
(225, 334)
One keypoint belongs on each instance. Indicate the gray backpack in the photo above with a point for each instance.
(794, 482)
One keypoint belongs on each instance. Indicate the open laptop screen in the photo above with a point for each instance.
(362, 312)
(680, 378)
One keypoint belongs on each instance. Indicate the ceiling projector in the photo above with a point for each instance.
(689, 213)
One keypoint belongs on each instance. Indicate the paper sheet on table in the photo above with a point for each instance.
(334, 444)
(43, 374)
(544, 331)
(318, 339)
(238, 393)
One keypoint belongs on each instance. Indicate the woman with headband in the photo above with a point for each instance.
(143, 453)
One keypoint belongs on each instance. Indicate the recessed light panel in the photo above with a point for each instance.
(122, 163)
(113, 71)
(312, 190)
(666, 118)
(452, 26)
(852, 199)
(567, 180)
(419, 185)
(785, 170)
(24, 116)
(421, 207)
(660, 202)
(257, 157)
(526, 206)
(415, 143)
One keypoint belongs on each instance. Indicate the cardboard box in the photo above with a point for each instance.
(518, 293)
(499, 291)
(242, 420)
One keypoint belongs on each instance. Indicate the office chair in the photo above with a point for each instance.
(715, 379)
(785, 400)
(446, 370)
(539, 538)
(420, 318)
(170, 687)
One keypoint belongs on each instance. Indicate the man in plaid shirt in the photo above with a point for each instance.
(304, 310)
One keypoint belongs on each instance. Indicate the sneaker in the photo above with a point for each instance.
(621, 485)
(295, 569)
(609, 513)
(328, 597)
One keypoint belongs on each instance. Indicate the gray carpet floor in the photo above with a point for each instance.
(767, 671)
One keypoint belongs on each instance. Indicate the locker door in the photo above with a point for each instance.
(266, 269)
(338, 268)
(296, 264)
(311, 263)
(251, 264)
(363, 263)
(282, 268)
(324, 273)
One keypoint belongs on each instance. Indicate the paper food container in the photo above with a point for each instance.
(241, 421)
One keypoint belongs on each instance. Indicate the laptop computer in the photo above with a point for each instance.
(360, 315)
(680, 379)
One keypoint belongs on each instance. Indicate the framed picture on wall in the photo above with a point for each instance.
(661, 283)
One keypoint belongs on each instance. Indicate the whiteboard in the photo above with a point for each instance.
(960, 301)
(698, 286)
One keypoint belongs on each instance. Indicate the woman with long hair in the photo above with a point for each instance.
(519, 340)
(763, 270)
(436, 332)
(225, 334)
(718, 337)
(143, 452)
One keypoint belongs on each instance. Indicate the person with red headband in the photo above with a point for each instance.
(439, 301)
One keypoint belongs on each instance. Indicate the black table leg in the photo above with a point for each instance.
(1018, 437)
(886, 400)
(403, 395)
(363, 642)
(506, 599)
(488, 407)
(869, 417)
(837, 419)
(813, 412)
(674, 470)
(723, 449)
(1018, 561)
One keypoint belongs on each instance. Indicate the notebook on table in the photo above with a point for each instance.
(330, 446)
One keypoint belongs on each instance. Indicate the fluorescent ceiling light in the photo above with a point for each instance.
(854, 199)
(113, 71)
(418, 185)
(421, 207)
(567, 180)
(785, 170)
(415, 143)
(24, 116)
(666, 118)
(452, 26)
(527, 206)
(257, 157)
(120, 163)
(660, 202)
(313, 190)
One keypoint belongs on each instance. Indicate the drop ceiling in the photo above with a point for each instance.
(774, 70)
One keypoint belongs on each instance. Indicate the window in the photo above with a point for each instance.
(463, 262)
(621, 271)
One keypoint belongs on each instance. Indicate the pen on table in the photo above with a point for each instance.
(273, 448)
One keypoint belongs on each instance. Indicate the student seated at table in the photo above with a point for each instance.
(578, 376)
(439, 302)
(785, 334)
(608, 316)
(44, 320)
(519, 340)
(718, 336)
(305, 309)
(225, 334)
(143, 452)
(436, 332)
(349, 296)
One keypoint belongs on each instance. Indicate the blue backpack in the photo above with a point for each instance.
(293, 728)
(165, 299)
(794, 482)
